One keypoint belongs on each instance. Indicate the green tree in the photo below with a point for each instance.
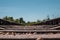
(8, 18)
(11, 18)
(17, 20)
(48, 18)
(5, 18)
(21, 21)
(31, 23)
(38, 21)
(28, 23)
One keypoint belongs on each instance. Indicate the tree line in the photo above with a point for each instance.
(21, 20)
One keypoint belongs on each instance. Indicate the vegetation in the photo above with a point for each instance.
(21, 20)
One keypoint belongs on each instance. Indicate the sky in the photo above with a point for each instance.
(30, 10)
